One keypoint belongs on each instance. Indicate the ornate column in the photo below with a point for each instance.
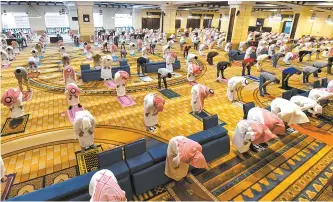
(169, 19)
(86, 18)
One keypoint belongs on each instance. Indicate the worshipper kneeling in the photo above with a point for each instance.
(199, 93)
(72, 94)
(288, 111)
(307, 71)
(286, 74)
(153, 104)
(220, 67)
(265, 79)
(319, 94)
(210, 57)
(270, 120)
(249, 134)
(183, 152)
(234, 84)
(307, 104)
(163, 73)
(247, 64)
(84, 127)
(12, 98)
(104, 187)
(120, 78)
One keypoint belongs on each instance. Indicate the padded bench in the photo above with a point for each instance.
(154, 66)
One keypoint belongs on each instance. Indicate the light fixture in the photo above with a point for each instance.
(313, 17)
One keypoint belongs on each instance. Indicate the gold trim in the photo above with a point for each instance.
(202, 187)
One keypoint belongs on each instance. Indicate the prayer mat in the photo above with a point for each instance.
(14, 126)
(7, 186)
(146, 78)
(201, 115)
(111, 84)
(159, 193)
(126, 101)
(26, 187)
(176, 75)
(317, 133)
(27, 95)
(71, 113)
(33, 74)
(60, 176)
(169, 93)
(253, 78)
(326, 194)
(88, 160)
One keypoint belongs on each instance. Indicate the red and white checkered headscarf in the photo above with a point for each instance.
(104, 187)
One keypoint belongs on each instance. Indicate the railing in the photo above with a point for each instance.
(53, 30)
(17, 30)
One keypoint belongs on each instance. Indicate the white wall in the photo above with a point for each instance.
(108, 21)
(39, 23)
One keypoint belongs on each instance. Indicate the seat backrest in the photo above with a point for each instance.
(109, 157)
(294, 92)
(324, 83)
(85, 67)
(135, 148)
(247, 107)
(316, 84)
(210, 121)
(287, 95)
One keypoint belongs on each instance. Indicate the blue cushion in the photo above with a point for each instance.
(135, 148)
(210, 121)
(123, 62)
(139, 162)
(159, 152)
(202, 137)
(149, 178)
(119, 169)
(324, 83)
(287, 95)
(83, 197)
(217, 148)
(109, 157)
(305, 94)
(218, 131)
(85, 67)
(246, 108)
(61, 191)
(294, 92)
(125, 185)
(316, 84)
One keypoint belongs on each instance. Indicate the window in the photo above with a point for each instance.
(98, 20)
(56, 20)
(123, 20)
(15, 20)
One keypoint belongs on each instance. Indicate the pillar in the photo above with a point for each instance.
(201, 21)
(85, 8)
(169, 21)
(137, 18)
(225, 20)
(241, 22)
(304, 25)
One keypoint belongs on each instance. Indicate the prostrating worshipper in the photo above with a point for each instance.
(12, 98)
(289, 57)
(220, 67)
(288, 111)
(319, 94)
(248, 134)
(248, 51)
(104, 187)
(153, 104)
(192, 71)
(201, 49)
(69, 75)
(199, 93)
(266, 78)
(4, 59)
(307, 104)
(303, 53)
(89, 52)
(247, 64)
(183, 152)
(10, 52)
(275, 58)
(267, 118)
(3, 177)
(163, 73)
(106, 71)
(307, 71)
(169, 60)
(72, 93)
(32, 64)
(141, 63)
(97, 61)
(286, 74)
(234, 85)
(84, 127)
(210, 57)
(120, 78)
(22, 74)
(260, 60)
